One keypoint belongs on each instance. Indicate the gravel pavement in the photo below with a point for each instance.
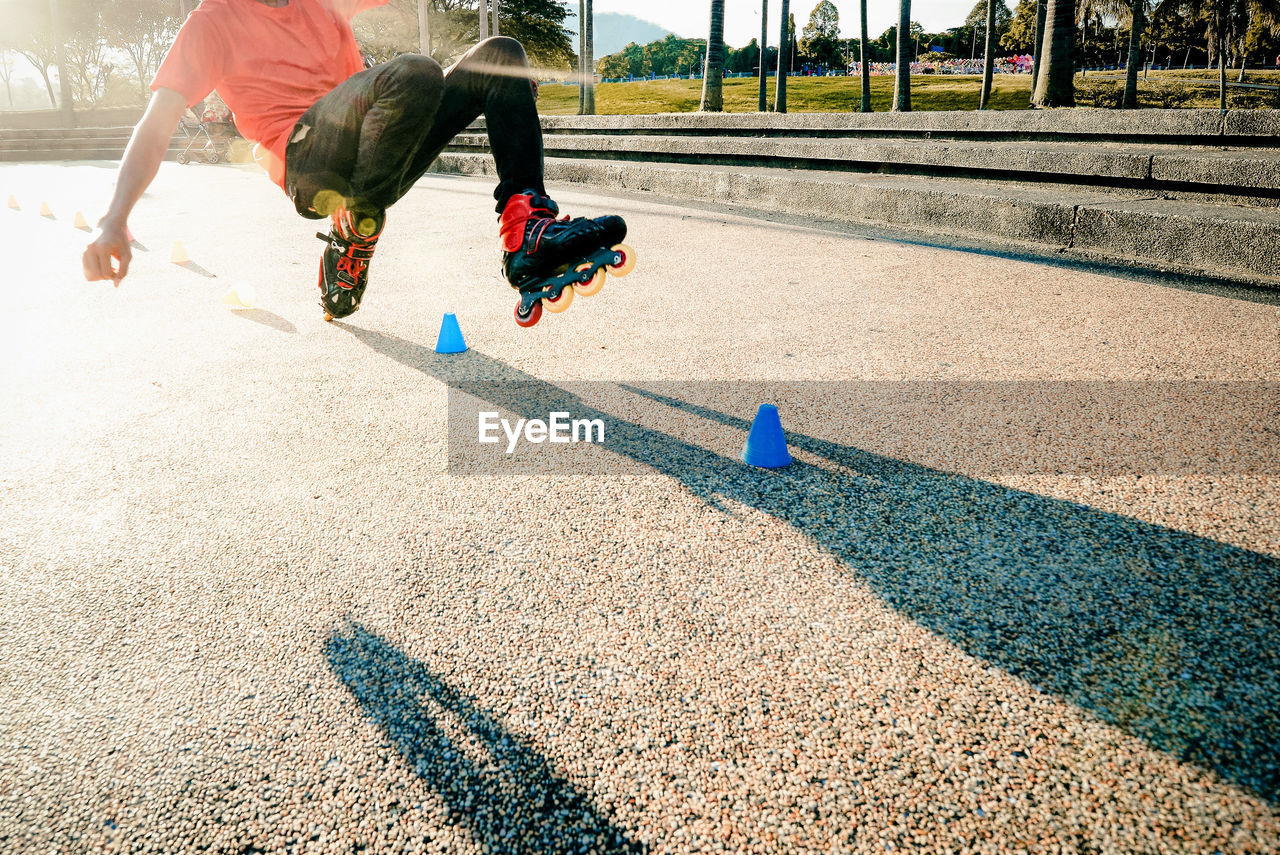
(245, 606)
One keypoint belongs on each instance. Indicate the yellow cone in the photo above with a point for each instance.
(44, 210)
(80, 222)
(179, 253)
(241, 296)
(13, 202)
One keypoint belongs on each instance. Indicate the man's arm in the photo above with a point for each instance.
(147, 148)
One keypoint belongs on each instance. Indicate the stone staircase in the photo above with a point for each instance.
(72, 144)
(1183, 191)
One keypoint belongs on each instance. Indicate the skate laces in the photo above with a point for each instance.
(357, 249)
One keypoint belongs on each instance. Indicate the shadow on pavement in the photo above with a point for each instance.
(494, 783)
(1172, 637)
(195, 268)
(267, 319)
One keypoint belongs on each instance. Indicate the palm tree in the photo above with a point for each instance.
(764, 49)
(865, 66)
(713, 71)
(582, 57)
(590, 29)
(902, 86)
(1037, 50)
(1055, 86)
(1137, 21)
(784, 47)
(586, 63)
(988, 59)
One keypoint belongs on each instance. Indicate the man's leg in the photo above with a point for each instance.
(493, 79)
(355, 145)
(348, 158)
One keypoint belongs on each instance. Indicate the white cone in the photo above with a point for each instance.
(241, 296)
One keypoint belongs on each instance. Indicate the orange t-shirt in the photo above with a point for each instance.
(269, 63)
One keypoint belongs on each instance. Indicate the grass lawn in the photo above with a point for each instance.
(843, 94)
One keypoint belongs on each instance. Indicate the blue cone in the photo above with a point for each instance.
(450, 339)
(766, 445)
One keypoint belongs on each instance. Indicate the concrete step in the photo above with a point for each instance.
(1238, 243)
(1237, 170)
(1170, 126)
(41, 134)
(74, 144)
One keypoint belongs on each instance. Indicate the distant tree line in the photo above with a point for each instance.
(112, 50)
(1213, 33)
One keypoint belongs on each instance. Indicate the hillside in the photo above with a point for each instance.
(614, 31)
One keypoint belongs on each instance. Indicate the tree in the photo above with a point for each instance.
(454, 26)
(1042, 9)
(1055, 86)
(988, 55)
(143, 29)
(820, 40)
(539, 26)
(976, 21)
(764, 48)
(864, 63)
(1226, 24)
(6, 72)
(88, 61)
(587, 81)
(1020, 37)
(713, 73)
(35, 42)
(1137, 20)
(386, 32)
(784, 42)
(902, 83)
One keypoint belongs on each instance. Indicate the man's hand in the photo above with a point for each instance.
(109, 255)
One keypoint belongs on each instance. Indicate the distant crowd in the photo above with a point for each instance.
(1018, 64)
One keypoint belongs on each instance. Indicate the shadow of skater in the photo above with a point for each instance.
(1172, 637)
(512, 801)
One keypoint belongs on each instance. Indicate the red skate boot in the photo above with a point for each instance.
(548, 260)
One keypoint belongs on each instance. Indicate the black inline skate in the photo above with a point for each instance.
(549, 260)
(344, 267)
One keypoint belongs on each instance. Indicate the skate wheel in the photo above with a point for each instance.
(328, 317)
(560, 304)
(592, 285)
(628, 262)
(535, 314)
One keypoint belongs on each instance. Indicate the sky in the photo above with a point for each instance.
(742, 17)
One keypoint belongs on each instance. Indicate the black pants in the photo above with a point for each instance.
(376, 133)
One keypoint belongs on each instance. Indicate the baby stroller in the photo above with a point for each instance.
(210, 137)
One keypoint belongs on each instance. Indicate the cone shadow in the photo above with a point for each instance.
(267, 319)
(195, 268)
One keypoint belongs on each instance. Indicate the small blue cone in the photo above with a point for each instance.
(450, 339)
(766, 445)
